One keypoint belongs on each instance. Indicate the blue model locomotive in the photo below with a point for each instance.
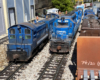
(64, 31)
(26, 37)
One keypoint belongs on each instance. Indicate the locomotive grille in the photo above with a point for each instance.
(62, 44)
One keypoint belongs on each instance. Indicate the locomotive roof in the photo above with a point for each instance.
(48, 18)
(67, 18)
(39, 23)
(29, 25)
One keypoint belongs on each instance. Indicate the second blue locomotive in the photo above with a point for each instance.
(64, 30)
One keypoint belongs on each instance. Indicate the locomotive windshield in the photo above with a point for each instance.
(62, 25)
(12, 36)
(27, 37)
(27, 31)
(12, 32)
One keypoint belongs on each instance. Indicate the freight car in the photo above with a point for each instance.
(24, 38)
(64, 30)
(88, 50)
(90, 27)
(90, 16)
(88, 11)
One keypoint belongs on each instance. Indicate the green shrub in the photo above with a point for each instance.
(63, 5)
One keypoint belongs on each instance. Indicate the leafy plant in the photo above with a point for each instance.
(63, 5)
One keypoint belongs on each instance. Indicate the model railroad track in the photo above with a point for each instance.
(9, 72)
(4, 39)
(53, 68)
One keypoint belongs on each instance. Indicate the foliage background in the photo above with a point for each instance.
(63, 5)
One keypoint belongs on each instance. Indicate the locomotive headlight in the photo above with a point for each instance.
(66, 20)
(59, 20)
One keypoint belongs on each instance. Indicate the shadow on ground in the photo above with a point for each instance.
(73, 67)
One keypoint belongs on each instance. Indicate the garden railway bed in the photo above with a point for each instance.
(33, 70)
(45, 66)
(42, 65)
(3, 48)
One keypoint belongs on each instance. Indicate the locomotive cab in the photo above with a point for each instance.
(88, 11)
(20, 39)
(24, 38)
(16, 34)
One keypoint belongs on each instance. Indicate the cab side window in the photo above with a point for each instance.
(27, 37)
(27, 31)
(12, 33)
(27, 34)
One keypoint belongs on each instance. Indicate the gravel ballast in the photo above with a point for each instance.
(3, 55)
(32, 70)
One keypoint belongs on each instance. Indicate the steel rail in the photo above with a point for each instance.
(58, 68)
(47, 65)
(10, 70)
(55, 69)
(3, 39)
(11, 76)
